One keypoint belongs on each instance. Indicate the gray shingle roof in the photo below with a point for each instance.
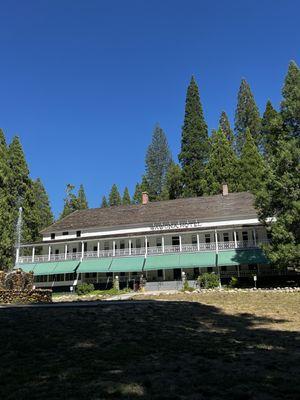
(207, 208)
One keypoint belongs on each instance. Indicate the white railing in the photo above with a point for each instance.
(185, 248)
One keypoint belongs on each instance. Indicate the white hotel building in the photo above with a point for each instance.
(156, 240)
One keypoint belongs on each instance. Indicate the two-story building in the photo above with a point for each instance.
(156, 240)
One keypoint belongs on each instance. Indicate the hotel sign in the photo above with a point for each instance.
(176, 226)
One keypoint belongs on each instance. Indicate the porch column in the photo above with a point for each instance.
(234, 238)
(17, 255)
(180, 244)
(114, 248)
(129, 247)
(33, 253)
(146, 245)
(66, 251)
(198, 242)
(82, 250)
(163, 243)
(49, 253)
(254, 237)
(164, 274)
(216, 240)
(98, 249)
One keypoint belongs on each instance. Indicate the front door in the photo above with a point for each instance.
(177, 274)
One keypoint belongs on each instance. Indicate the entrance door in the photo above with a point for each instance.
(177, 274)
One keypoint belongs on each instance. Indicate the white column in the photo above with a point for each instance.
(17, 255)
(49, 253)
(129, 247)
(254, 236)
(98, 249)
(198, 242)
(180, 244)
(216, 240)
(114, 248)
(164, 274)
(66, 251)
(234, 238)
(82, 250)
(146, 245)
(163, 243)
(33, 253)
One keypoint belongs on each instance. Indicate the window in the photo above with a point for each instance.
(245, 236)
(252, 267)
(74, 250)
(209, 269)
(226, 237)
(158, 242)
(207, 238)
(138, 243)
(122, 245)
(196, 273)
(58, 277)
(65, 233)
(52, 236)
(91, 274)
(223, 268)
(106, 246)
(70, 277)
(134, 274)
(95, 248)
(122, 273)
(56, 251)
(84, 246)
(42, 278)
(194, 239)
(160, 273)
(109, 274)
(175, 240)
(78, 233)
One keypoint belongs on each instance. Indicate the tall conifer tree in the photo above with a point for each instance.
(104, 202)
(158, 159)
(271, 130)
(222, 165)
(173, 188)
(82, 203)
(137, 197)
(70, 201)
(194, 143)
(114, 196)
(126, 197)
(225, 127)
(252, 166)
(290, 106)
(42, 205)
(246, 116)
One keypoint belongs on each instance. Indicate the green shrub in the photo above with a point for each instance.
(233, 282)
(208, 280)
(84, 288)
(186, 287)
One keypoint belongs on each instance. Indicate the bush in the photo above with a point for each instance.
(186, 287)
(208, 280)
(233, 282)
(84, 288)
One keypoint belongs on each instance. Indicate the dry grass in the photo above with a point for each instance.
(205, 346)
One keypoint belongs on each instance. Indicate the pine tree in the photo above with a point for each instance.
(42, 205)
(271, 130)
(70, 201)
(246, 116)
(222, 165)
(280, 200)
(6, 217)
(126, 197)
(290, 106)
(173, 187)
(137, 197)
(114, 196)
(104, 203)
(158, 158)
(194, 143)
(82, 203)
(252, 166)
(225, 127)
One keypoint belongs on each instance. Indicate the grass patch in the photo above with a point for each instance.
(216, 345)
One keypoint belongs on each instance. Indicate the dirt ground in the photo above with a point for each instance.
(184, 346)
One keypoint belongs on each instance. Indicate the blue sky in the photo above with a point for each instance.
(84, 82)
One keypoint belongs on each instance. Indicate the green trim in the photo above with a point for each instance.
(66, 267)
(238, 257)
(26, 267)
(127, 264)
(203, 259)
(44, 268)
(98, 265)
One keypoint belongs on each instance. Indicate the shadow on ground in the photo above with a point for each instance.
(145, 350)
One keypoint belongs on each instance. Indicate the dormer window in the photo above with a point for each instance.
(52, 236)
(65, 233)
(78, 233)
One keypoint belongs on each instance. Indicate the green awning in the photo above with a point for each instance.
(201, 259)
(127, 264)
(98, 265)
(65, 267)
(238, 257)
(46, 268)
(166, 261)
(26, 267)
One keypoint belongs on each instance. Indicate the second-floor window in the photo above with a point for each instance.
(65, 233)
(194, 239)
(245, 236)
(207, 238)
(226, 237)
(52, 236)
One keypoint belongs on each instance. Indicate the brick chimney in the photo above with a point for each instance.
(225, 189)
(145, 198)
